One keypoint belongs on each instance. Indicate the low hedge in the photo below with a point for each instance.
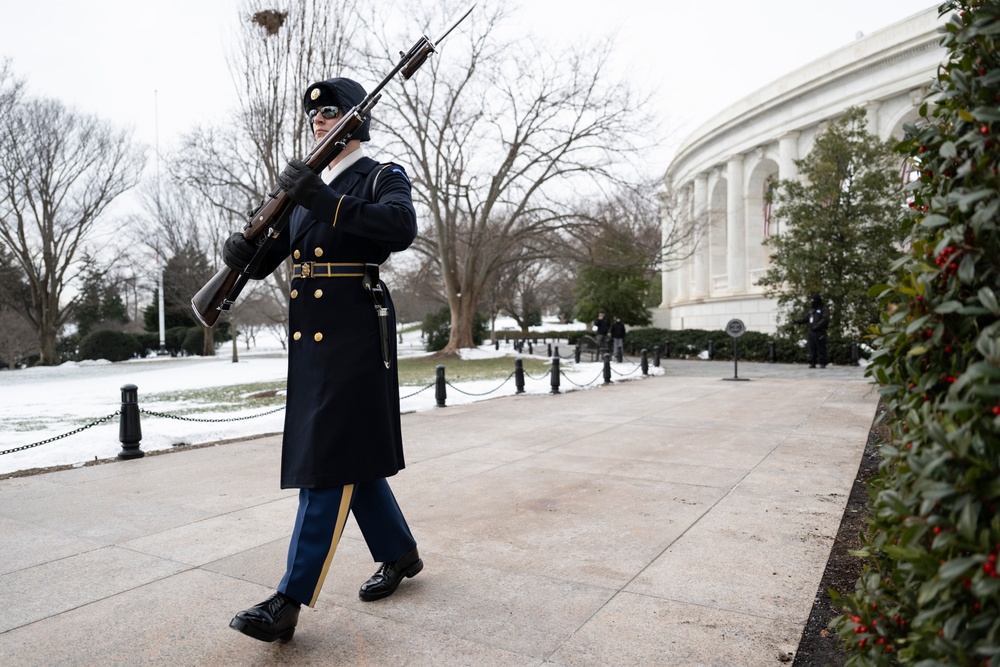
(110, 345)
(751, 346)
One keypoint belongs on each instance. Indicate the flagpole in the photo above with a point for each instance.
(159, 266)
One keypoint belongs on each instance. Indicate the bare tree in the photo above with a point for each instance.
(59, 170)
(282, 47)
(11, 88)
(498, 137)
(17, 340)
(183, 230)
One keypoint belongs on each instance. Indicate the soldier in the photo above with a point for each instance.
(601, 327)
(342, 427)
(618, 338)
(818, 320)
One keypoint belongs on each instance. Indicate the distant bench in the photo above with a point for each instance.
(588, 345)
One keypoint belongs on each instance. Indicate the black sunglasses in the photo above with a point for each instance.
(328, 112)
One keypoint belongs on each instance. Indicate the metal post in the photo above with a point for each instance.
(129, 429)
(440, 391)
(656, 356)
(711, 350)
(550, 349)
(607, 368)
(666, 349)
(555, 375)
(557, 350)
(772, 354)
(519, 376)
(855, 354)
(496, 343)
(576, 353)
(531, 348)
(644, 361)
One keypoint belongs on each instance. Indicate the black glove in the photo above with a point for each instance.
(237, 252)
(299, 181)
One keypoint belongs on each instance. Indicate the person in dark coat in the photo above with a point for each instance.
(342, 426)
(618, 338)
(818, 320)
(601, 327)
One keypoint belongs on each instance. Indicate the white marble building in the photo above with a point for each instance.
(722, 170)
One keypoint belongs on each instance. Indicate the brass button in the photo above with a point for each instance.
(297, 335)
(318, 337)
(318, 293)
(296, 254)
(319, 252)
(294, 293)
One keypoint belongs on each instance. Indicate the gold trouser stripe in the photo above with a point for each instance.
(345, 508)
(337, 212)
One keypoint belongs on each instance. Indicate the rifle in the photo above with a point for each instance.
(269, 219)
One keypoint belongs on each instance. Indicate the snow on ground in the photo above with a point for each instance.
(41, 403)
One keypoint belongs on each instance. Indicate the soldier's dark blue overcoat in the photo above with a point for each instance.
(342, 417)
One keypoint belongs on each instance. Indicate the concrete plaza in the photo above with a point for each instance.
(679, 519)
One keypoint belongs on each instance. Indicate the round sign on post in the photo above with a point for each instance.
(735, 329)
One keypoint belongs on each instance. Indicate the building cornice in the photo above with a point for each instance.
(895, 60)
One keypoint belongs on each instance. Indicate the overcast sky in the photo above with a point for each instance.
(160, 67)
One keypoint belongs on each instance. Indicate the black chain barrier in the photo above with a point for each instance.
(540, 377)
(196, 419)
(616, 371)
(402, 398)
(64, 435)
(580, 385)
(152, 413)
(485, 393)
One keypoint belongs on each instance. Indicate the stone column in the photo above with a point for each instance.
(871, 113)
(736, 252)
(702, 252)
(683, 272)
(788, 153)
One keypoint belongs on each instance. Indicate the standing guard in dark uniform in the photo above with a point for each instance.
(818, 320)
(342, 427)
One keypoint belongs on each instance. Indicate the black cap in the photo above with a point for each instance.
(345, 93)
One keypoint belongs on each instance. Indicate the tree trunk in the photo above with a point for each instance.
(47, 346)
(462, 314)
(209, 349)
(47, 333)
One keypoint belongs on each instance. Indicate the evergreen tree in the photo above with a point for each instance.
(620, 292)
(99, 304)
(930, 590)
(839, 225)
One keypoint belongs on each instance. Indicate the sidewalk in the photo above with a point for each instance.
(672, 520)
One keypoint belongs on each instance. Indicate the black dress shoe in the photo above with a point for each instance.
(272, 619)
(385, 581)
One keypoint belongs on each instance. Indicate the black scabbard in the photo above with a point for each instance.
(374, 288)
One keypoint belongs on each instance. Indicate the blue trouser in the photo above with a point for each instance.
(320, 523)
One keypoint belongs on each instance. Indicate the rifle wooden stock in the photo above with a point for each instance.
(207, 303)
(271, 217)
(220, 292)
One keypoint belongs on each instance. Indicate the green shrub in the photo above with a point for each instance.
(194, 341)
(751, 346)
(110, 345)
(437, 328)
(929, 593)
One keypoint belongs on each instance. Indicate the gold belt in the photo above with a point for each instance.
(327, 270)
